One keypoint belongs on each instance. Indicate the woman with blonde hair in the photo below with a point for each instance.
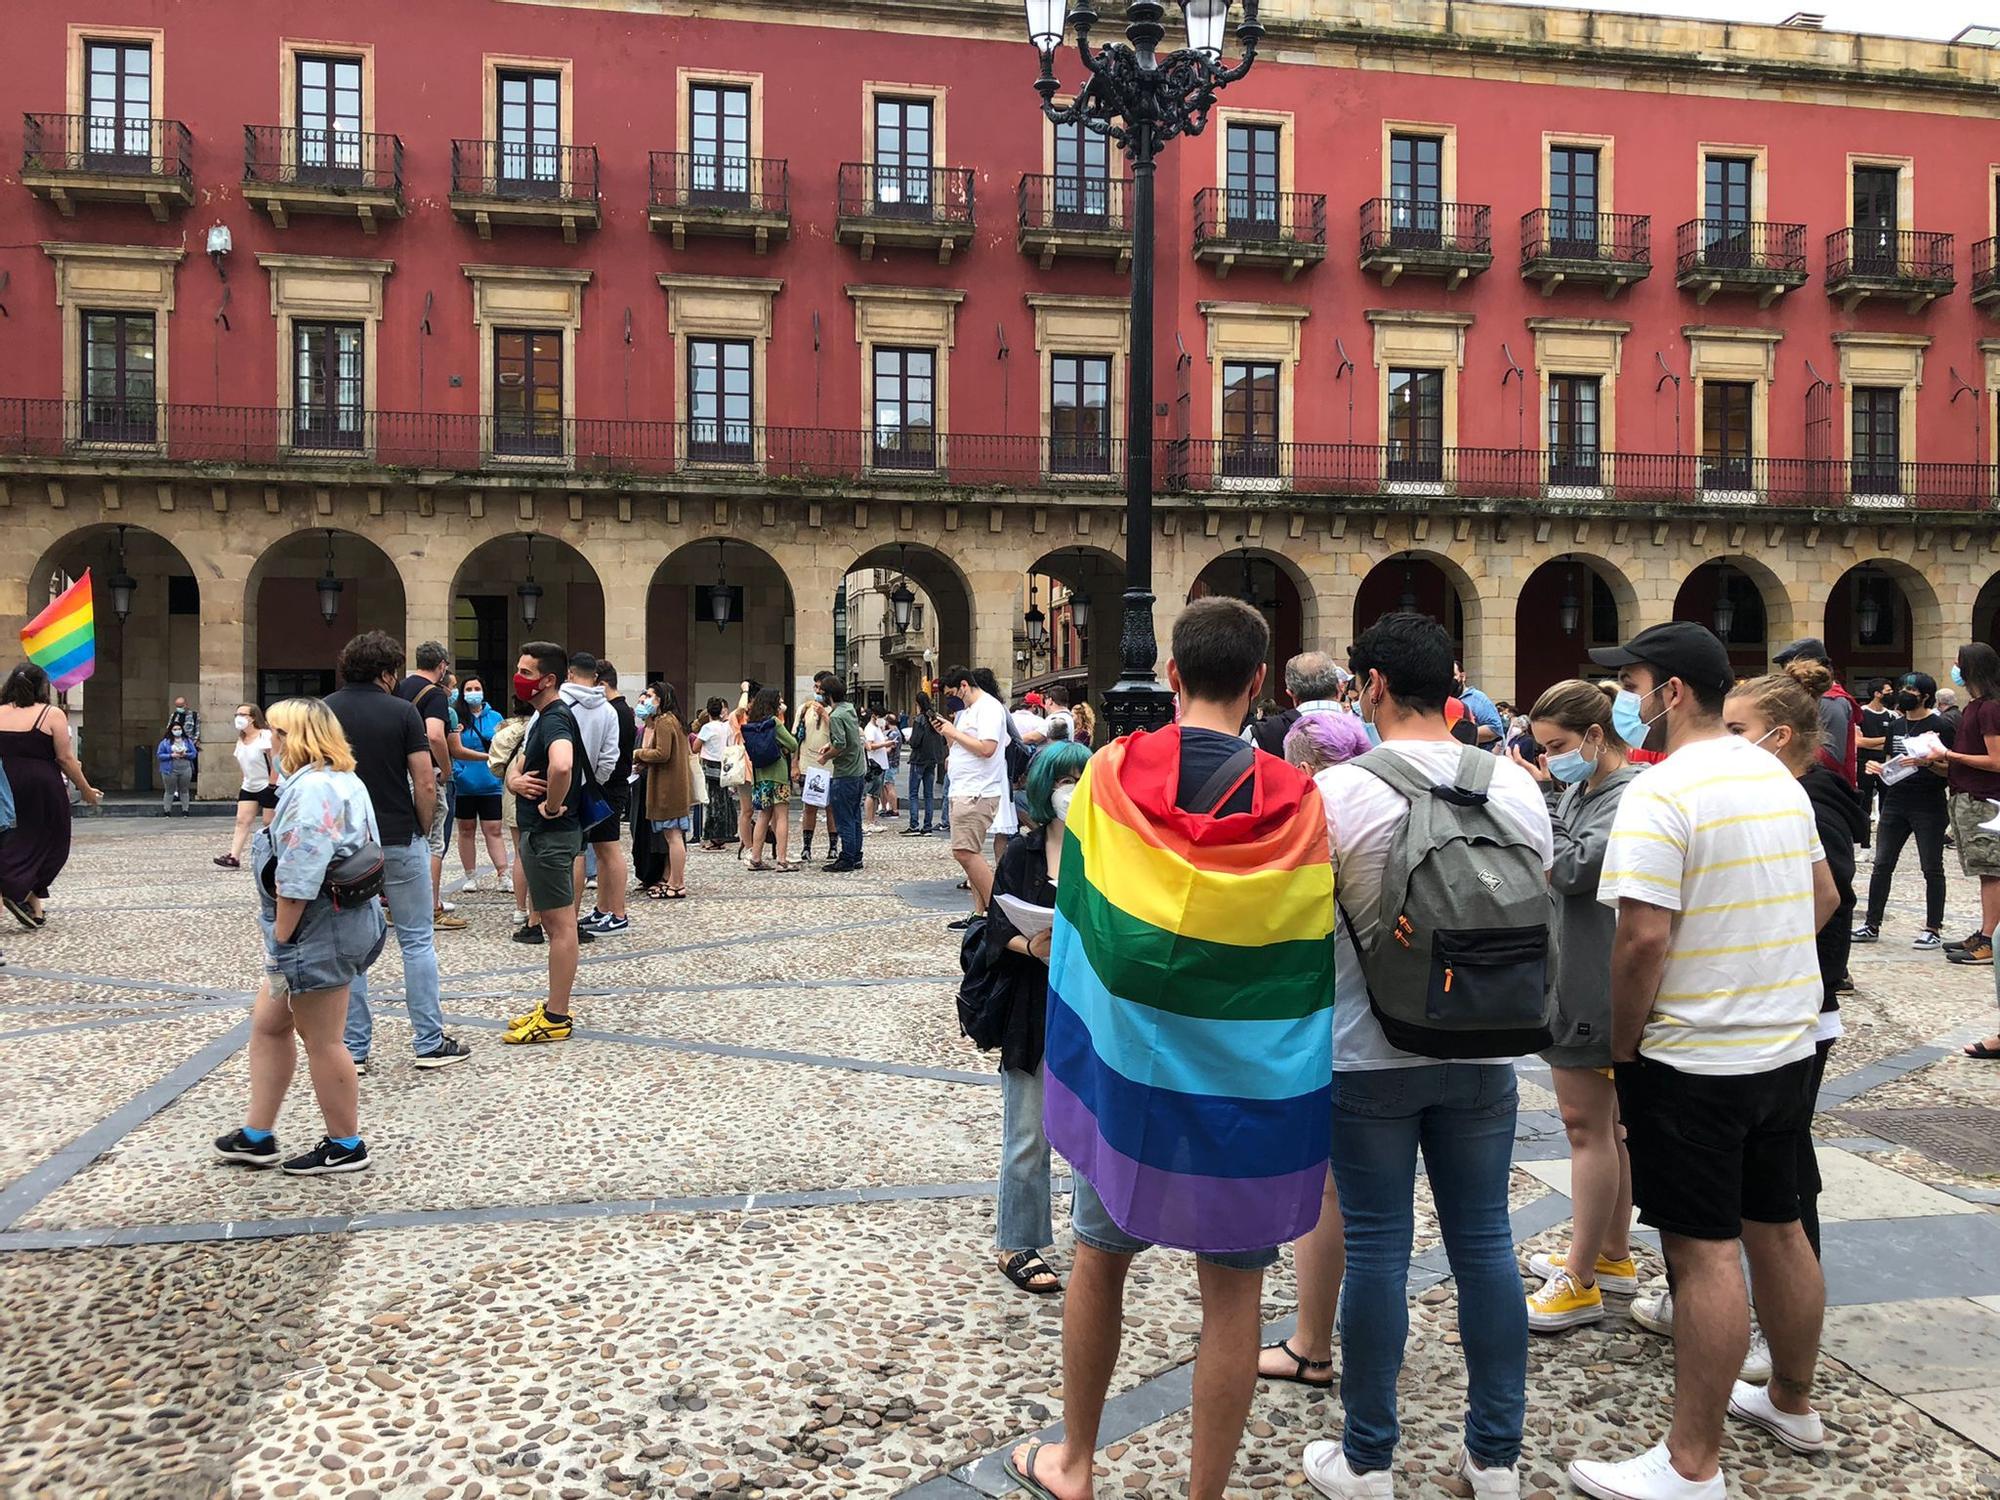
(319, 876)
(259, 792)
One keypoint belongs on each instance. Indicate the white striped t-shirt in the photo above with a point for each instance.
(1722, 835)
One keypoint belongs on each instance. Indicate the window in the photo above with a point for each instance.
(1725, 434)
(905, 409)
(903, 157)
(1573, 182)
(1252, 187)
(1416, 425)
(118, 89)
(527, 391)
(1726, 209)
(1079, 414)
(118, 377)
(1083, 176)
(719, 138)
(530, 118)
(1249, 419)
(1876, 190)
(1573, 429)
(1878, 440)
(1416, 189)
(329, 118)
(327, 368)
(719, 405)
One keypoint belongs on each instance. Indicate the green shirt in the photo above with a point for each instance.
(850, 750)
(780, 770)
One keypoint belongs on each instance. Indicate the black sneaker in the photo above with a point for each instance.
(962, 923)
(1965, 942)
(1867, 934)
(238, 1147)
(529, 932)
(583, 938)
(446, 1053)
(327, 1158)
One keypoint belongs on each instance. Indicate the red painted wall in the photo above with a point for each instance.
(221, 72)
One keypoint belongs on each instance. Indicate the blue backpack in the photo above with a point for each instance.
(760, 741)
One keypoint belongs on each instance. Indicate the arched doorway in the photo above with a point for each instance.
(719, 614)
(518, 588)
(1734, 597)
(1986, 613)
(307, 596)
(1875, 624)
(1417, 584)
(902, 615)
(1567, 607)
(145, 659)
(1080, 592)
(1273, 586)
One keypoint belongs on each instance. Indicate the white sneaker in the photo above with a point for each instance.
(446, 906)
(1757, 1363)
(1326, 1471)
(506, 885)
(1650, 1476)
(1801, 1434)
(1498, 1484)
(1655, 1312)
(470, 887)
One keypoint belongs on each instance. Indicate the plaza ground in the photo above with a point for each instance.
(732, 1239)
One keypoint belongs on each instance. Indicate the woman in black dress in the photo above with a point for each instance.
(36, 754)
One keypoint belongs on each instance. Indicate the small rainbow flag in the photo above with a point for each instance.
(1190, 1035)
(62, 639)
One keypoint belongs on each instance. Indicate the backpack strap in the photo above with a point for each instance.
(1475, 771)
(1386, 765)
(1228, 776)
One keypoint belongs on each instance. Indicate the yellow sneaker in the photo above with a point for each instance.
(1615, 1278)
(539, 1027)
(1560, 1304)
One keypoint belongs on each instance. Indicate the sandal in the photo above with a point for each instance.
(1023, 1473)
(785, 868)
(676, 893)
(1025, 1268)
(1982, 1052)
(656, 893)
(1298, 1377)
(758, 864)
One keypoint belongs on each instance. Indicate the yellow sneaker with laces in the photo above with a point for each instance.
(1563, 1303)
(539, 1027)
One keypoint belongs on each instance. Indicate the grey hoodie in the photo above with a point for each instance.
(1582, 824)
(597, 722)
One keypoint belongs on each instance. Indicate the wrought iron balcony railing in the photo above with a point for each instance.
(107, 146)
(1591, 239)
(1414, 224)
(892, 192)
(524, 171)
(1252, 216)
(1908, 256)
(334, 160)
(720, 184)
(1747, 246)
(1083, 205)
(1985, 273)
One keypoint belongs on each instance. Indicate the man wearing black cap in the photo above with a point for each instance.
(1839, 713)
(1914, 806)
(1715, 865)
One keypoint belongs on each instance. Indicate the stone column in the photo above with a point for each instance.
(225, 673)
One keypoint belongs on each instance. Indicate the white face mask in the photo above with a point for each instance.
(1060, 800)
(241, 723)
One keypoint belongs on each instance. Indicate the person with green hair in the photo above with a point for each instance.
(1028, 872)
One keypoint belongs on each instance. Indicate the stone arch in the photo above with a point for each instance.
(289, 645)
(1086, 620)
(489, 612)
(1724, 591)
(1435, 584)
(1986, 613)
(891, 663)
(1606, 611)
(1906, 615)
(686, 647)
(1277, 587)
(143, 661)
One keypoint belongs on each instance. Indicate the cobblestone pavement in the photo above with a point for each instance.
(732, 1239)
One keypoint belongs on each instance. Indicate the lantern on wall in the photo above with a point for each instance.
(1570, 611)
(122, 584)
(328, 586)
(530, 592)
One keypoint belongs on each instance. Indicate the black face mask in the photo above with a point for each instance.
(1909, 702)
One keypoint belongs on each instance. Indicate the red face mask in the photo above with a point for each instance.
(525, 687)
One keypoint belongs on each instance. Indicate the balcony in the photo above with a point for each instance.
(1281, 231)
(727, 197)
(1986, 277)
(904, 645)
(514, 182)
(1749, 257)
(1610, 251)
(1404, 236)
(283, 445)
(348, 174)
(917, 208)
(1904, 265)
(1080, 216)
(73, 158)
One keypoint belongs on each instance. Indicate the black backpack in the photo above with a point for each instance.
(760, 742)
(984, 991)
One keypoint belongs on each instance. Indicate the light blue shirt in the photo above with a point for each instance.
(1483, 711)
(322, 816)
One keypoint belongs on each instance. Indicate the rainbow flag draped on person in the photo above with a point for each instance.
(1190, 1040)
(62, 639)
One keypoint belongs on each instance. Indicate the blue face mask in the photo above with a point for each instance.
(475, 699)
(1374, 734)
(1572, 766)
(1627, 720)
(1957, 678)
(643, 710)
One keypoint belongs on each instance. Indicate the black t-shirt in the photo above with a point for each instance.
(552, 725)
(1874, 724)
(384, 732)
(628, 736)
(1203, 753)
(431, 701)
(1925, 785)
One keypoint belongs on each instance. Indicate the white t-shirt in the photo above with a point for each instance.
(1032, 725)
(714, 737)
(1721, 834)
(1063, 717)
(1363, 815)
(252, 756)
(878, 745)
(976, 776)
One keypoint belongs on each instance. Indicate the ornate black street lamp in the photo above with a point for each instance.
(122, 584)
(529, 592)
(1141, 100)
(329, 586)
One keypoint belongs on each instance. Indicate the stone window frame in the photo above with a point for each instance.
(1116, 166)
(326, 288)
(1094, 327)
(1581, 346)
(1288, 136)
(1447, 155)
(1606, 148)
(1760, 176)
(901, 317)
(1882, 359)
(721, 307)
(115, 278)
(1410, 339)
(76, 84)
(876, 88)
(493, 64)
(291, 49)
(1256, 333)
(1906, 186)
(685, 82)
(1989, 357)
(505, 297)
(1746, 355)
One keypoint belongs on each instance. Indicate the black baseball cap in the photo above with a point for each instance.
(1806, 648)
(1680, 649)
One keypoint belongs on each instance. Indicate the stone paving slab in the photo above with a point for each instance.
(1936, 1344)
(1973, 1414)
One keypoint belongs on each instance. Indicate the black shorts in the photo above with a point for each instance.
(1710, 1150)
(474, 806)
(266, 798)
(606, 830)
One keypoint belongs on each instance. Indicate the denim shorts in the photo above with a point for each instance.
(329, 948)
(1093, 1225)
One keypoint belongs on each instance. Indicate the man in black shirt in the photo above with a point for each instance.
(545, 782)
(392, 756)
(1871, 736)
(427, 690)
(1912, 805)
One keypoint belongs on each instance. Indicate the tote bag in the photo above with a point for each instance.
(819, 787)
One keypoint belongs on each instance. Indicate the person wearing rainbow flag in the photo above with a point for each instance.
(1189, 1044)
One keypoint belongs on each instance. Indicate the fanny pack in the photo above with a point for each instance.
(352, 880)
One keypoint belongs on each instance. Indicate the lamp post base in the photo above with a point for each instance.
(1131, 707)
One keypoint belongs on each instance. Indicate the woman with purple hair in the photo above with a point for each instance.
(1323, 739)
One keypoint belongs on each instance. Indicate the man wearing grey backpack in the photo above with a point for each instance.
(1443, 971)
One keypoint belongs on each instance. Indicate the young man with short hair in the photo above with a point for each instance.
(597, 732)
(846, 754)
(1716, 868)
(610, 916)
(977, 766)
(545, 781)
(425, 689)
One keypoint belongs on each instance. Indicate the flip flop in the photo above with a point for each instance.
(1298, 1377)
(1982, 1052)
(1025, 1477)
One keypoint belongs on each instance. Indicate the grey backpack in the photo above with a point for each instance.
(1462, 965)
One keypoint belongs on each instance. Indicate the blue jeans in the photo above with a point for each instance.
(844, 802)
(1023, 1222)
(1462, 1118)
(406, 886)
(923, 783)
(944, 801)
